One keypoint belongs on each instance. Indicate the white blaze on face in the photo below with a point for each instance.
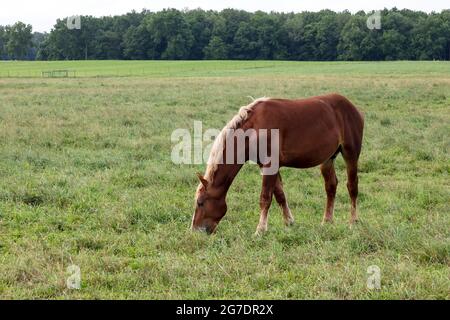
(197, 193)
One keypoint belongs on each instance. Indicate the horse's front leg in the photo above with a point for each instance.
(265, 200)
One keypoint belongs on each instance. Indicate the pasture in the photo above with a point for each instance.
(86, 179)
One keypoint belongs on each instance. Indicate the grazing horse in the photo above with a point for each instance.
(312, 132)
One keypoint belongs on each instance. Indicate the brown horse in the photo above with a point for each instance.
(312, 132)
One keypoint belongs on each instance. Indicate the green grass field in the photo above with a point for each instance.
(164, 69)
(86, 179)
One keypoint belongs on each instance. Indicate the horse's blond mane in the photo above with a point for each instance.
(215, 157)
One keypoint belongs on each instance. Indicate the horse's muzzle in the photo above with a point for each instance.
(208, 229)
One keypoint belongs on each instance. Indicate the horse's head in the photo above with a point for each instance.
(210, 207)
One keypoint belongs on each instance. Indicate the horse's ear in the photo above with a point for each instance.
(202, 180)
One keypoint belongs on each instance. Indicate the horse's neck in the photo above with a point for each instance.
(224, 176)
(225, 173)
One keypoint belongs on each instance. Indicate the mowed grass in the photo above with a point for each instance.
(164, 69)
(86, 179)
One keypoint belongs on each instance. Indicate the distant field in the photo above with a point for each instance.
(86, 179)
(221, 68)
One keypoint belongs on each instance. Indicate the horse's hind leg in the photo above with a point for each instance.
(329, 176)
(281, 199)
(351, 160)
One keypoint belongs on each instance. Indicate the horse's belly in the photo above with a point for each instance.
(307, 153)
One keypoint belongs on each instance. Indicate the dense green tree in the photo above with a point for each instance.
(201, 24)
(237, 34)
(62, 43)
(268, 29)
(395, 38)
(232, 20)
(216, 49)
(245, 42)
(309, 37)
(136, 43)
(111, 35)
(3, 41)
(351, 38)
(37, 39)
(431, 37)
(18, 40)
(170, 36)
(327, 35)
(218, 40)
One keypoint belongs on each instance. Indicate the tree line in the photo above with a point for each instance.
(235, 34)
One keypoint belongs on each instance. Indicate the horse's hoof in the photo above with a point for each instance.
(325, 221)
(289, 223)
(260, 232)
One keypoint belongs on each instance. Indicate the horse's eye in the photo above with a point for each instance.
(200, 204)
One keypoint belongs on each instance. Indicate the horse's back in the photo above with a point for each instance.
(311, 129)
(319, 108)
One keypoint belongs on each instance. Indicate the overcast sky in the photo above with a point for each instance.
(42, 14)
